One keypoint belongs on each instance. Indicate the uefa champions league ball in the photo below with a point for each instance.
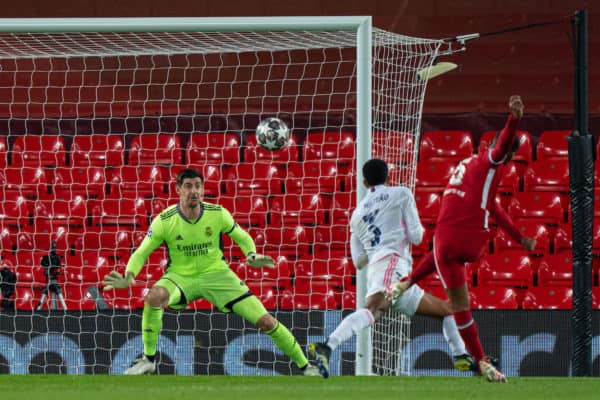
(272, 133)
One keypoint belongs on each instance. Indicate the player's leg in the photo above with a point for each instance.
(425, 268)
(157, 298)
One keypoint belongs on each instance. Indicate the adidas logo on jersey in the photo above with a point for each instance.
(179, 237)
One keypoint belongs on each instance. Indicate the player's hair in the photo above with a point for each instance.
(375, 171)
(188, 173)
(515, 145)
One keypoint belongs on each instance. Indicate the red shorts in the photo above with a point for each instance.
(452, 249)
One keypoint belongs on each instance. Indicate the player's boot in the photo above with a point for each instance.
(464, 362)
(311, 370)
(402, 286)
(320, 352)
(490, 372)
(141, 366)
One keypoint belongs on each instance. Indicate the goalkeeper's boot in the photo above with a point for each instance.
(311, 370)
(490, 372)
(320, 352)
(464, 362)
(141, 366)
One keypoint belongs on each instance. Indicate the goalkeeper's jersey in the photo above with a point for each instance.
(194, 247)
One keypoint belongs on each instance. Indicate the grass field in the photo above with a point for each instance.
(294, 387)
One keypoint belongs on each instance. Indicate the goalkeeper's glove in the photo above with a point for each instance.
(115, 280)
(259, 261)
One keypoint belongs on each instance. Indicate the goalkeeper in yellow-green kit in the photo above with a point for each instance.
(197, 269)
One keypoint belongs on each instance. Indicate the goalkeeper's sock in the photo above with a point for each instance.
(468, 330)
(286, 342)
(349, 326)
(452, 336)
(151, 325)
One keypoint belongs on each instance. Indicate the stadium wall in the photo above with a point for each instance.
(528, 343)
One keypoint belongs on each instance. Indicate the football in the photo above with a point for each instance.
(272, 133)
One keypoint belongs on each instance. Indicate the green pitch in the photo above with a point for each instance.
(294, 387)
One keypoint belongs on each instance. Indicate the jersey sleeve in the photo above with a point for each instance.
(505, 222)
(414, 229)
(236, 233)
(153, 239)
(505, 140)
(357, 251)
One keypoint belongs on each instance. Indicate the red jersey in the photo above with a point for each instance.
(469, 197)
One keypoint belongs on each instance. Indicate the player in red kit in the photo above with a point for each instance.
(461, 232)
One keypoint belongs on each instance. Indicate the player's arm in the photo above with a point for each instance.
(414, 229)
(358, 253)
(153, 239)
(507, 135)
(505, 222)
(245, 241)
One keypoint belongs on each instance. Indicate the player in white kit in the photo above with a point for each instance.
(383, 226)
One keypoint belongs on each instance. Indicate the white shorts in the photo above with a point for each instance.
(384, 273)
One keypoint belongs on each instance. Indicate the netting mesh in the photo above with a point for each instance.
(97, 125)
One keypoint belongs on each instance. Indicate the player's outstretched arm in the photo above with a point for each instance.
(114, 280)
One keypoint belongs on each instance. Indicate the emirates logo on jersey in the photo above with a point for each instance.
(208, 231)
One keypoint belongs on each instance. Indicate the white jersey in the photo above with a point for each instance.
(385, 221)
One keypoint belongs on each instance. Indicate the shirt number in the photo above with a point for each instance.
(369, 218)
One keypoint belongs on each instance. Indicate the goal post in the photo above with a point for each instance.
(132, 82)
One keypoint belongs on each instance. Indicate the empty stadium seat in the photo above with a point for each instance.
(14, 210)
(309, 270)
(213, 148)
(452, 145)
(155, 149)
(121, 212)
(556, 270)
(433, 176)
(554, 298)
(402, 143)
(115, 244)
(540, 206)
(131, 182)
(533, 229)
(100, 150)
(510, 269)
(38, 151)
(553, 144)
(293, 209)
(266, 293)
(248, 179)
(494, 297)
(331, 241)
(30, 182)
(337, 146)
(3, 152)
(89, 182)
(290, 241)
(428, 205)
(256, 153)
(313, 177)
(548, 175)
(563, 239)
(40, 239)
(71, 213)
(342, 206)
(246, 211)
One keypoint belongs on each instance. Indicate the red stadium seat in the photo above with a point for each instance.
(426, 243)
(77, 297)
(51, 213)
(123, 212)
(292, 209)
(26, 296)
(14, 210)
(524, 154)
(98, 150)
(291, 241)
(213, 148)
(89, 182)
(433, 176)
(8, 241)
(402, 143)
(563, 239)
(266, 293)
(556, 270)
(322, 297)
(256, 153)
(28, 266)
(552, 145)
(540, 206)
(279, 276)
(232, 251)
(493, 297)
(331, 241)
(29, 182)
(342, 206)
(337, 146)
(40, 238)
(248, 179)
(534, 229)
(560, 298)
(450, 145)
(428, 204)
(155, 149)
(550, 175)
(38, 151)
(116, 244)
(309, 270)
(126, 299)
(3, 152)
(131, 182)
(246, 211)
(506, 269)
(348, 301)
(313, 177)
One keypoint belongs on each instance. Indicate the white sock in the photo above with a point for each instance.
(452, 336)
(349, 326)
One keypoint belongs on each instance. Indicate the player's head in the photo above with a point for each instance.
(513, 149)
(375, 172)
(190, 187)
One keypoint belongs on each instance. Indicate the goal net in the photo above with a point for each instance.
(96, 122)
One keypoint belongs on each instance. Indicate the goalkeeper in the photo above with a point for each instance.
(197, 269)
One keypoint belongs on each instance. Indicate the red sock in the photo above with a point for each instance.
(468, 331)
(425, 267)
